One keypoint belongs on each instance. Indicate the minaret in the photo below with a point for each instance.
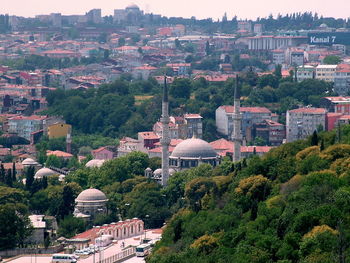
(237, 119)
(68, 143)
(165, 140)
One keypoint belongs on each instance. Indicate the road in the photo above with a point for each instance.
(108, 252)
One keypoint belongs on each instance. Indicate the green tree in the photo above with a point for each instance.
(70, 226)
(332, 60)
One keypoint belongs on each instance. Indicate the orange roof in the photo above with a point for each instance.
(59, 154)
(149, 135)
(230, 109)
(309, 110)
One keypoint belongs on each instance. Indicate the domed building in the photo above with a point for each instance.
(191, 153)
(44, 172)
(94, 163)
(132, 8)
(29, 162)
(90, 203)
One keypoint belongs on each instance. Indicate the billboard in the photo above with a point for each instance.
(329, 38)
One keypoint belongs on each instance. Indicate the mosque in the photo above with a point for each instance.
(89, 203)
(191, 152)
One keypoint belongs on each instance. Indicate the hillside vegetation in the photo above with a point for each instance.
(292, 205)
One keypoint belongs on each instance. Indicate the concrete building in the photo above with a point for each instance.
(294, 56)
(147, 141)
(104, 153)
(278, 56)
(23, 126)
(272, 132)
(194, 125)
(244, 26)
(258, 29)
(94, 16)
(56, 19)
(250, 115)
(338, 104)
(274, 42)
(58, 130)
(302, 122)
(342, 79)
(118, 231)
(326, 72)
(305, 72)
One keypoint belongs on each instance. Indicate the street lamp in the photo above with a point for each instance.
(146, 216)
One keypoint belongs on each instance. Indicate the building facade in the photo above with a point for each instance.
(301, 123)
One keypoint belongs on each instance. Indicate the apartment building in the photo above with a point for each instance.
(302, 122)
(326, 72)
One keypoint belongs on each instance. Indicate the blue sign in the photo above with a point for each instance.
(329, 38)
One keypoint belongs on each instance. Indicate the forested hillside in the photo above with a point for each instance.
(292, 205)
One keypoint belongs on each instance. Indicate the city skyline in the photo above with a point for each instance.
(199, 9)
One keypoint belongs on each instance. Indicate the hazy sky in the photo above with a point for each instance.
(184, 8)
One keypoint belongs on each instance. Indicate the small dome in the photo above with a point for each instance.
(148, 169)
(44, 172)
(323, 25)
(29, 161)
(194, 148)
(91, 195)
(158, 171)
(94, 163)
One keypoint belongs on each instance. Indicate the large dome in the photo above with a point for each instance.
(91, 195)
(44, 172)
(194, 148)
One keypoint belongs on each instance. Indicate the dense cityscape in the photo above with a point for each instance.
(136, 137)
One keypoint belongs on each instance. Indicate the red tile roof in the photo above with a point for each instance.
(230, 109)
(309, 110)
(149, 135)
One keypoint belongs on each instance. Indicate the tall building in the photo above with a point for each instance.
(237, 121)
(56, 19)
(94, 16)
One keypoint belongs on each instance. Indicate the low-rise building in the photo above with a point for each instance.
(305, 72)
(272, 132)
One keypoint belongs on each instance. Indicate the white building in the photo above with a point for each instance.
(250, 116)
(305, 72)
(302, 122)
(326, 72)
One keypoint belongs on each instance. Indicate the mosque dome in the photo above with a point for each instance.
(323, 25)
(41, 173)
(29, 161)
(132, 6)
(193, 148)
(157, 172)
(91, 195)
(94, 163)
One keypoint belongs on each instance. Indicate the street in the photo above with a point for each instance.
(104, 254)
